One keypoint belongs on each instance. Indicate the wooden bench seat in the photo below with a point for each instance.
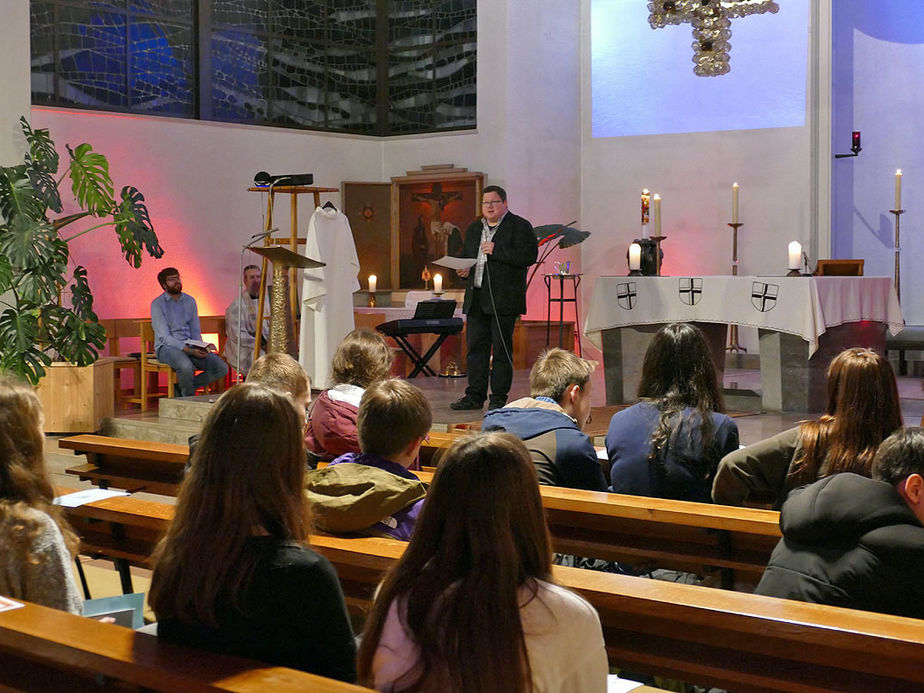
(742, 642)
(44, 649)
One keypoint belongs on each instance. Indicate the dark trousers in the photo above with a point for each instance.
(485, 333)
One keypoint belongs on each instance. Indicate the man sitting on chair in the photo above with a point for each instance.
(175, 320)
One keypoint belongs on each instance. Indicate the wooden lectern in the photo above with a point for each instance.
(282, 326)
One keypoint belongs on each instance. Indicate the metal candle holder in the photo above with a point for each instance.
(733, 329)
(897, 213)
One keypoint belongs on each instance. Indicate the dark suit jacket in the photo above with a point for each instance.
(515, 249)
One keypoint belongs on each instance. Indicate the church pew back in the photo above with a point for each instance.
(50, 650)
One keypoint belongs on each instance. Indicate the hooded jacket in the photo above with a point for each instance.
(331, 430)
(562, 453)
(849, 541)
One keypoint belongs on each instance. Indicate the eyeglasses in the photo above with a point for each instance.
(491, 203)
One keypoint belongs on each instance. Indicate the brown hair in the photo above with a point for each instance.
(480, 538)
(362, 358)
(862, 410)
(678, 372)
(248, 473)
(555, 370)
(280, 372)
(24, 482)
(392, 414)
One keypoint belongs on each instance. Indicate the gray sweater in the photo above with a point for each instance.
(49, 579)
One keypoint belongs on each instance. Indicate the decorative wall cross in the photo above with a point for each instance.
(711, 21)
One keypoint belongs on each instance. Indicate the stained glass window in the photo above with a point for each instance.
(362, 66)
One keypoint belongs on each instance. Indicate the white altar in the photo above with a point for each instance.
(802, 323)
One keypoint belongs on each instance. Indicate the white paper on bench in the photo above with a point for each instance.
(78, 498)
(9, 604)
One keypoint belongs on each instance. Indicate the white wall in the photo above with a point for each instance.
(14, 79)
(693, 172)
(878, 62)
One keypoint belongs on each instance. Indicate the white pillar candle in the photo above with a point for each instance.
(437, 283)
(898, 189)
(795, 255)
(656, 204)
(372, 282)
(635, 257)
(734, 203)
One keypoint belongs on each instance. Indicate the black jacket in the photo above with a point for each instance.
(849, 541)
(515, 249)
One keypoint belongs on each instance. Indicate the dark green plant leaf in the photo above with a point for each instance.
(19, 349)
(42, 153)
(17, 196)
(30, 243)
(81, 296)
(46, 189)
(36, 287)
(6, 274)
(92, 185)
(29, 364)
(78, 341)
(133, 225)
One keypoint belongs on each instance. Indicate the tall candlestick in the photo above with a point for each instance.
(372, 283)
(734, 203)
(795, 255)
(646, 199)
(898, 189)
(635, 257)
(437, 283)
(657, 214)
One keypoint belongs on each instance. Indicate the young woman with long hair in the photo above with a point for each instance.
(36, 543)
(862, 410)
(362, 358)
(669, 443)
(234, 572)
(471, 605)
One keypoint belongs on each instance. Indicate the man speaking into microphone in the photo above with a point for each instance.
(495, 294)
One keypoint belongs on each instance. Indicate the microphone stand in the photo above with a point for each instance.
(240, 303)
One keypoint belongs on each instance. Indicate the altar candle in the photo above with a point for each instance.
(437, 283)
(635, 257)
(898, 189)
(656, 203)
(372, 282)
(795, 255)
(734, 203)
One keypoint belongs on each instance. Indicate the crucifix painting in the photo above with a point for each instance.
(434, 206)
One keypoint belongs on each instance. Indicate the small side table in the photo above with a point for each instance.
(561, 300)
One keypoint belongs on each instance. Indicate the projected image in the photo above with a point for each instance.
(642, 80)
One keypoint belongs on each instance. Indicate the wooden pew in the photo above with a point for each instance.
(646, 532)
(743, 642)
(50, 650)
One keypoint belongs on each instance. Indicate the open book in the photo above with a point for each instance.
(200, 344)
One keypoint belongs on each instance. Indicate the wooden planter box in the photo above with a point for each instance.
(77, 398)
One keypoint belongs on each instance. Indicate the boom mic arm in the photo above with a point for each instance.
(263, 178)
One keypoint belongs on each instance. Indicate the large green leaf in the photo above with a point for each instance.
(6, 274)
(46, 189)
(17, 196)
(31, 244)
(133, 225)
(42, 153)
(92, 184)
(19, 349)
(36, 287)
(78, 341)
(81, 296)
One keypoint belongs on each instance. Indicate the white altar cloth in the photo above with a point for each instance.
(803, 306)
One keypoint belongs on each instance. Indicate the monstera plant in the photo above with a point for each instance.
(46, 307)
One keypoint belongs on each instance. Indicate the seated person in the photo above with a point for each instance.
(384, 497)
(669, 444)
(37, 545)
(241, 323)
(551, 419)
(862, 409)
(362, 359)
(234, 573)
(175, 319)
(857, 542)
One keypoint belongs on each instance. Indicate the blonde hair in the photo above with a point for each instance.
(281, 372)
(24, 482)
(555, 370)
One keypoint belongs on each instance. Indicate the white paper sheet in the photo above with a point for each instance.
(455, 263)
(614, 684)
(9, 604)
(78, 498)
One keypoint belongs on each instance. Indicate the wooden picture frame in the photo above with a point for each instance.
(430, 210)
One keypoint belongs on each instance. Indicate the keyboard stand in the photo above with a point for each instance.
(420, 362)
